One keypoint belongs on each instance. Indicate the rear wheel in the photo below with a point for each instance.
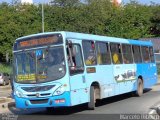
(91, 104)
(140, 87)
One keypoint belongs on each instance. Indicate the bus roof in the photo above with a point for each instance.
(83, 36)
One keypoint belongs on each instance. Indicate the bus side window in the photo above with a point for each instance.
(145, 54)
(127, 54)
(137, 54)
(151, 54)
(116, 53)
(103, 54)
(89, 52)
(75, 63)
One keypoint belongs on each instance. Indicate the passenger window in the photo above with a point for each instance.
(89, 52)
(145, 54)
(103, 54)
(137, 54)
(151, 54)
(75, 61)
(116, 53)
(127, 54)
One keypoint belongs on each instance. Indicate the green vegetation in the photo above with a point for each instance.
(101, 17)
(4, 68)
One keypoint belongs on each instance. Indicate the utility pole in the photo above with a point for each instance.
(42, 17)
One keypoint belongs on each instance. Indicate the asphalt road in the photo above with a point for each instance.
(121, 104)
(5, 91)
(110, 108)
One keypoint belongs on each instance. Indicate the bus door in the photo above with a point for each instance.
(76, 72)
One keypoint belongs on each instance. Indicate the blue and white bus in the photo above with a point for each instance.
(59, 69)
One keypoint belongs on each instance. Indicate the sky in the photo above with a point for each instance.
(144, 1)
(124, 1)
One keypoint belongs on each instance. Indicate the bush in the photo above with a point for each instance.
(5, 68)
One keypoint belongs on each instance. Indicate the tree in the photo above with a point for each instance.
(101, 17)
(131, 21)
(64, 3)
(155, 20)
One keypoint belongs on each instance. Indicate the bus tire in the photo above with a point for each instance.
(139, 87)
(91, 104)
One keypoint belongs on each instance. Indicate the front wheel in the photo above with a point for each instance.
(139, 87)
(91, 104)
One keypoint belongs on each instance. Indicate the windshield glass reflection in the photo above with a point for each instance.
(40, 65)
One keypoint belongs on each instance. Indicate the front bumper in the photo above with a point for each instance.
(52, 101)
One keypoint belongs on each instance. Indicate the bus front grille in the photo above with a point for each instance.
(39, 101)
(37, 88)
(41, 95)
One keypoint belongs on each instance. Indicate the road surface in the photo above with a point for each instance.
(117, 105)
(5, 91)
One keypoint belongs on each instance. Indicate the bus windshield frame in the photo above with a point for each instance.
(40, 62)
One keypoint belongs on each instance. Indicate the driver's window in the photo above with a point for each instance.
(75, 60)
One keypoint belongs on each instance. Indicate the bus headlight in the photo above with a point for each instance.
(59, 91)
(18, 94)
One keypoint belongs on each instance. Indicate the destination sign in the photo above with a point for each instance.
(31, 77)
(39, 41)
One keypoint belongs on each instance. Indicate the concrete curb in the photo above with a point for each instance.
(6, 103)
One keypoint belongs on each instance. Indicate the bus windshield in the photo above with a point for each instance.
(40, 65)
